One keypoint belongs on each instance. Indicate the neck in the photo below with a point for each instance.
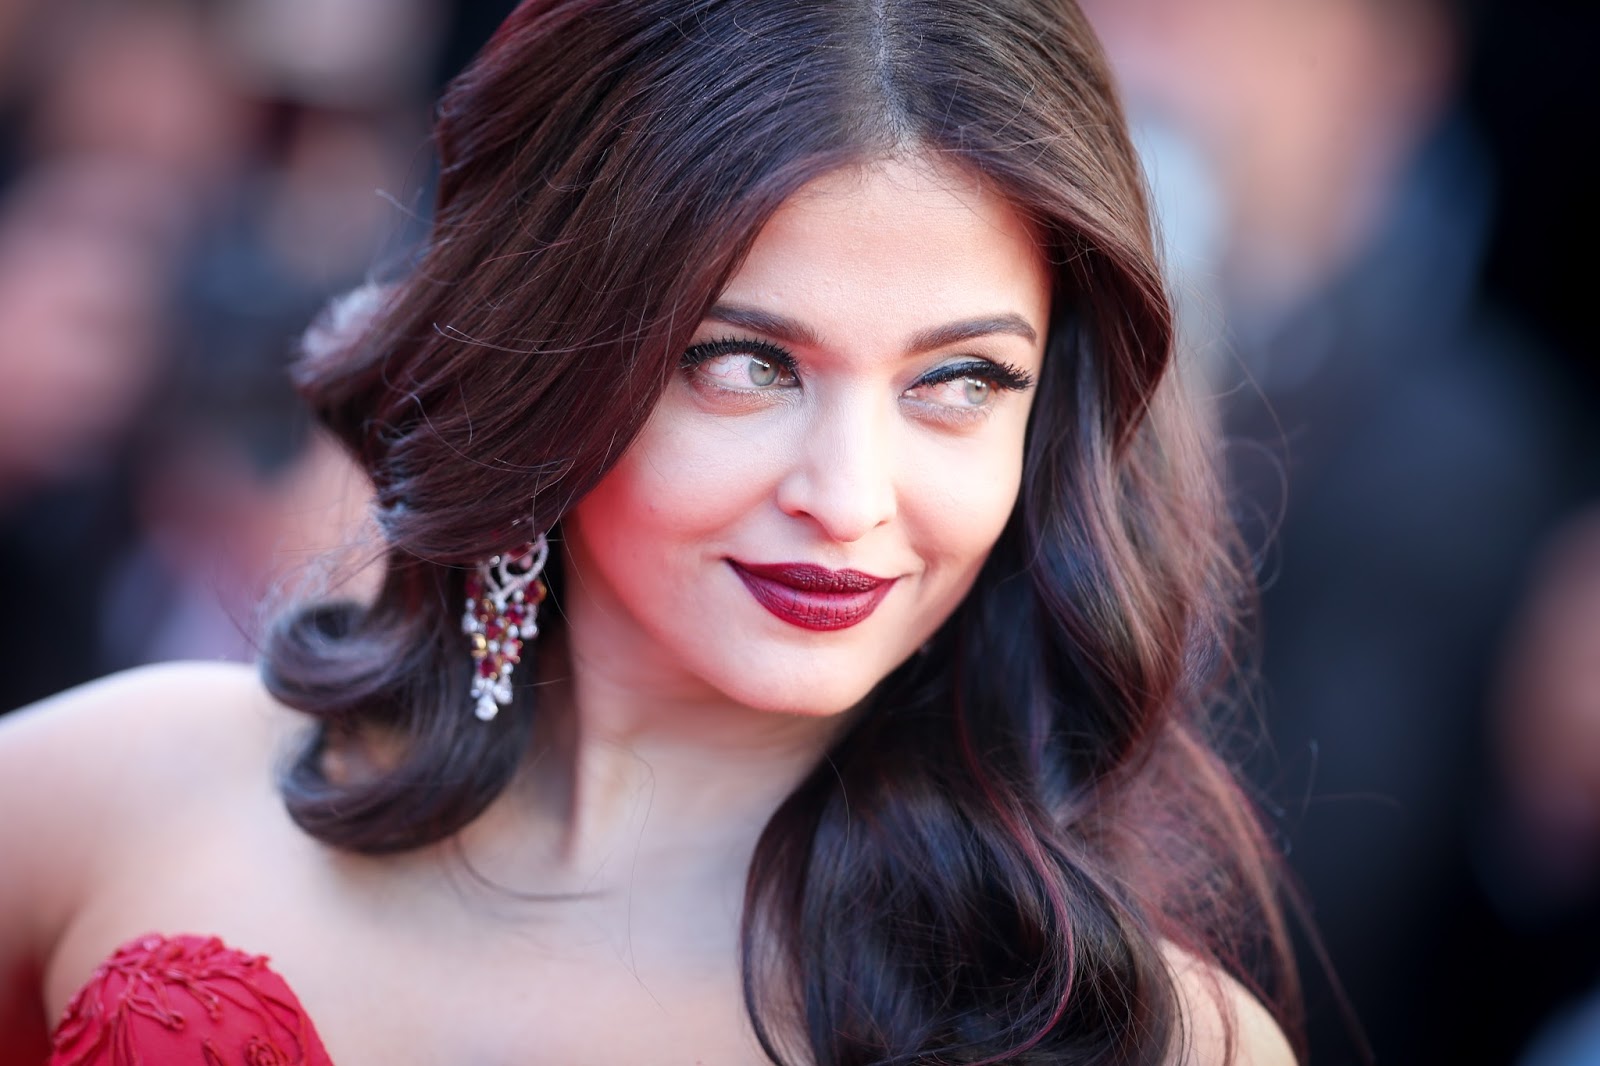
(634, 781)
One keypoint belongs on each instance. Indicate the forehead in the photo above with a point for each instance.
(900, 241)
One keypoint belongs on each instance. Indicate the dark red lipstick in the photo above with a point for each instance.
(813, 597)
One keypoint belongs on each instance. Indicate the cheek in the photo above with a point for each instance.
(681, 478)
(960, 498)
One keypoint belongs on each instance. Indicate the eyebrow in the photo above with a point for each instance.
(792, 332)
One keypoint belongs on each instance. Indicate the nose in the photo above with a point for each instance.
(842, 476)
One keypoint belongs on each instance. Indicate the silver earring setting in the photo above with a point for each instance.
(503, 597)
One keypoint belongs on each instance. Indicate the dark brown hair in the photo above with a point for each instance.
(1034, 806)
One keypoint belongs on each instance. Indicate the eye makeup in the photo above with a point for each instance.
(1001, 376)
(708, 350)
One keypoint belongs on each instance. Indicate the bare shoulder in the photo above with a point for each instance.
(1214, 1007)
(145, 730)
(100, 768)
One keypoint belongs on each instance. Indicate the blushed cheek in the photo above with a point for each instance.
(964, 499)
(686, 475)
(985, 518)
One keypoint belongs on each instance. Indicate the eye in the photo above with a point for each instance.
(741, 365)
(961, 392)
(970, 385)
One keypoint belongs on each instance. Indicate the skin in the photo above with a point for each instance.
(677, 713)
(849, 463)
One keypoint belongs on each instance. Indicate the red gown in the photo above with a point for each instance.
(173, 1001)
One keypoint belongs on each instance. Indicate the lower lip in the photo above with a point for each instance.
(813, 610)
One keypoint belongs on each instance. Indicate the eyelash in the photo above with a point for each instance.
(1002, 376)
(709, 350)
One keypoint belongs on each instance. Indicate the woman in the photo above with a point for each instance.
(822, 348)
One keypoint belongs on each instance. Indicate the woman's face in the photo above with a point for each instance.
(823, 478)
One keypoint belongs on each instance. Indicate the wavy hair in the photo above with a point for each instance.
(986, 866)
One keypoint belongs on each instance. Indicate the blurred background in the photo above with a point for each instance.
(1378, 216)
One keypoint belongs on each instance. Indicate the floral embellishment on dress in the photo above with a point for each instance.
(260, 1053)
(185, 999)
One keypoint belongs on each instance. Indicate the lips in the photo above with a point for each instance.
(813, 597)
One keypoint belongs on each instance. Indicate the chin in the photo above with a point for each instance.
(805, 701)
(814, 689)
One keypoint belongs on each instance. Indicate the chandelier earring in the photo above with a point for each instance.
(503, 597)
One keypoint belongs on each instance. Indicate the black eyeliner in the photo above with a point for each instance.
(707, 350)
(1000, 375)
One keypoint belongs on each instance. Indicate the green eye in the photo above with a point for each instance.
(976, 392)
(762, 372)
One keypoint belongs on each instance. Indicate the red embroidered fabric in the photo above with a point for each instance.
(166, 1001)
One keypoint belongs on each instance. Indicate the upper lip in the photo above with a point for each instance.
(809, 577)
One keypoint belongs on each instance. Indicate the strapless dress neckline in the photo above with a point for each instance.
(169, 1000)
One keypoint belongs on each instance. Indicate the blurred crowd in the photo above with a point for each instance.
(183, 184)
(1364, 283)
(1414, 458)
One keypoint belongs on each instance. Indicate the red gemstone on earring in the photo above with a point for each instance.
(502, 594)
